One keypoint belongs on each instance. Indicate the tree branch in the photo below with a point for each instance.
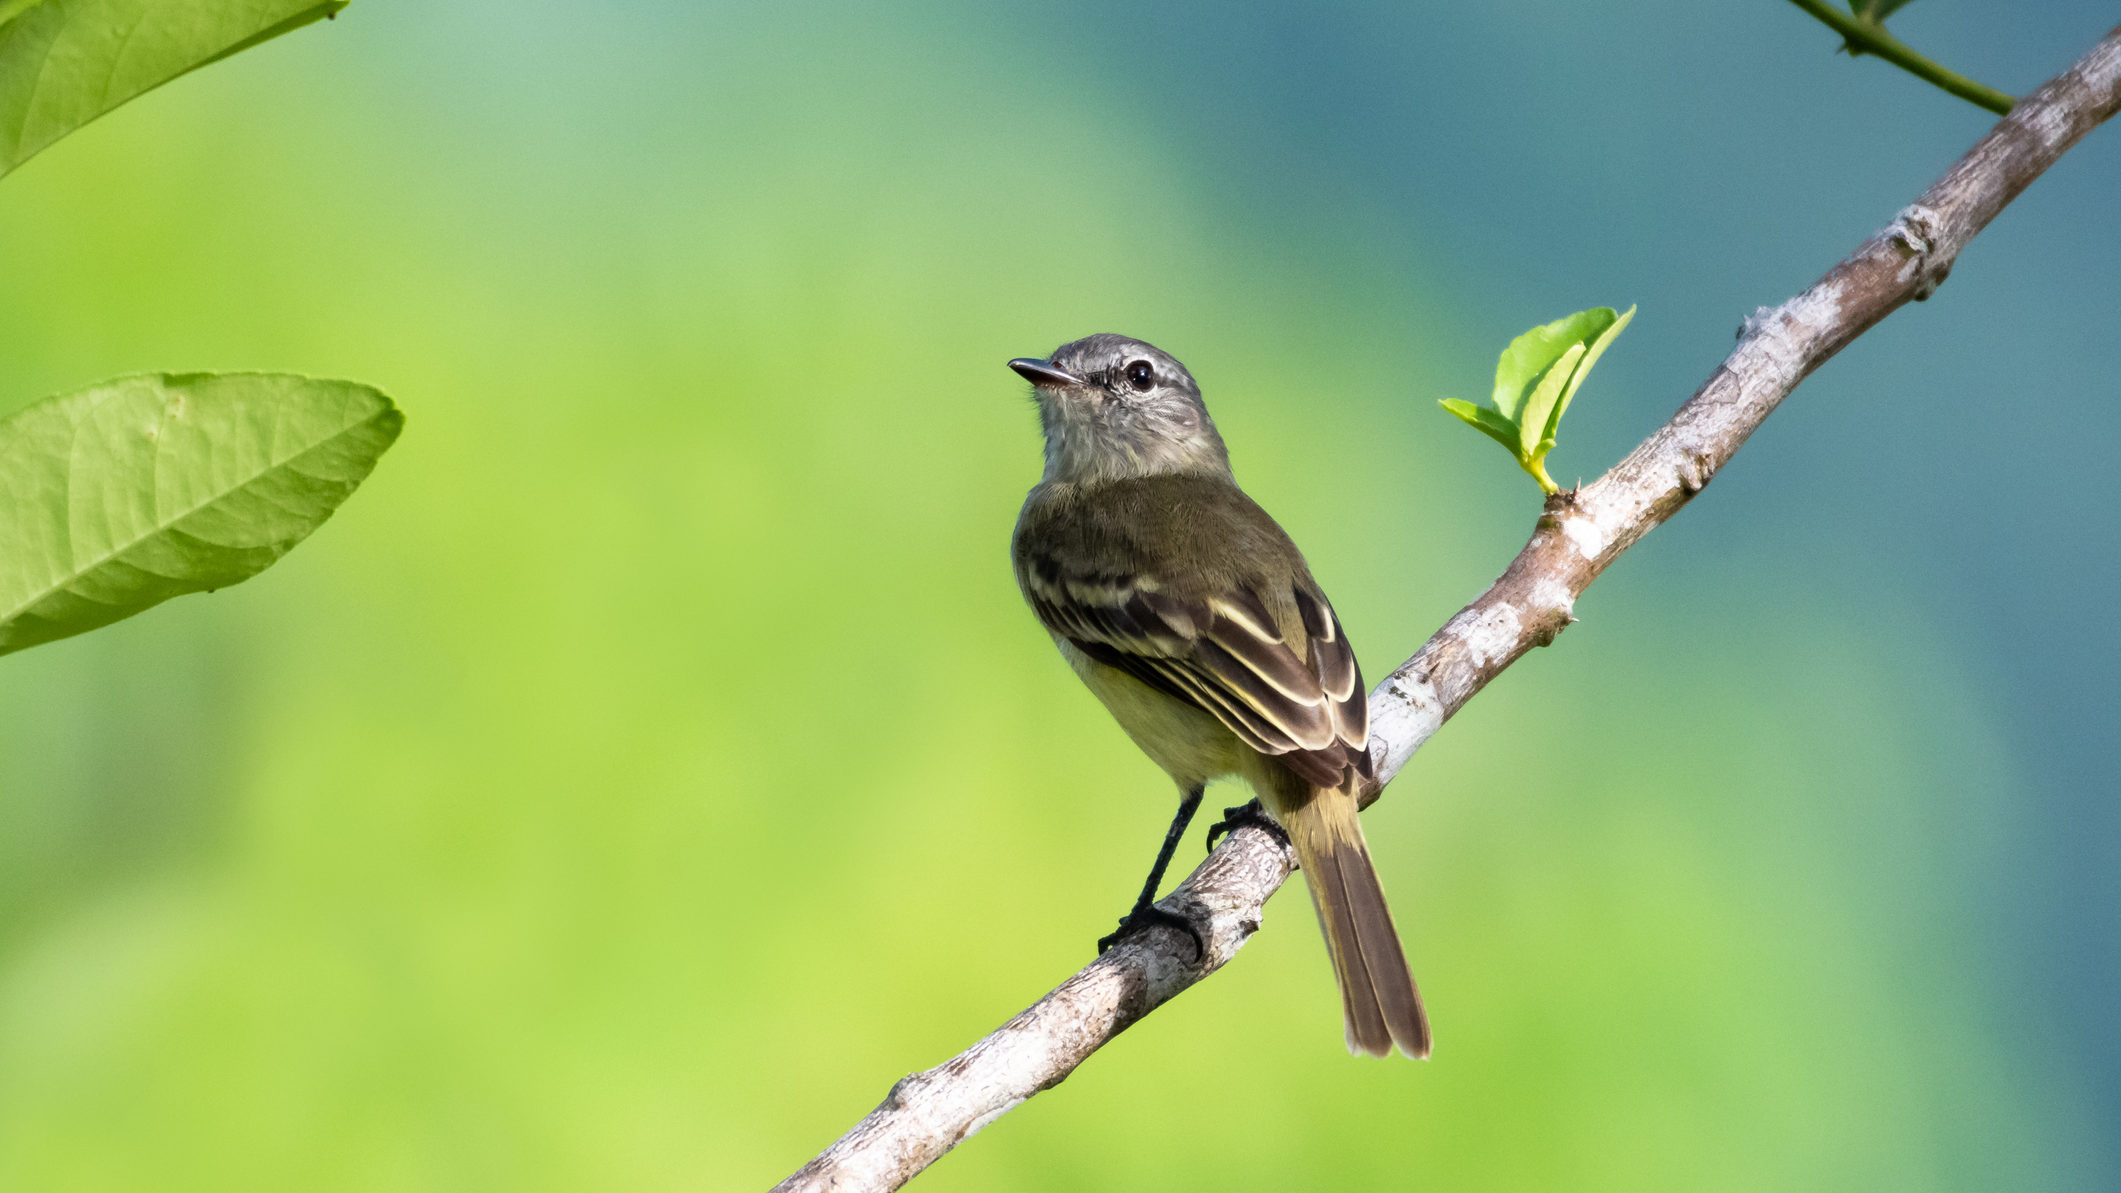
(1862, 35)
(1578, 536)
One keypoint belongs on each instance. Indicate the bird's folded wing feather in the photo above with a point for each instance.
(1226, 655)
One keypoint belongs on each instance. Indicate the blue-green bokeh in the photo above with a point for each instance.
(653, 761)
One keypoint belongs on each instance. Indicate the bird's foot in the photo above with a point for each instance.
(1146, 915)
(1249, 813)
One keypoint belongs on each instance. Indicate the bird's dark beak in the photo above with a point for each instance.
(1042, 373)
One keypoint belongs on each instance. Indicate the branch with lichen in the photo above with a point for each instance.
(1580, 533)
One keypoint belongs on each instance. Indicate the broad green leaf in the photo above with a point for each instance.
(10, 9)
(65, 62)
(1614, 324)
(1530, 355)
(1484, 420)
(1532, 420)
(120, 496)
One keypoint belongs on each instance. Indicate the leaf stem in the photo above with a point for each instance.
(1538, 469)
(1869, 37)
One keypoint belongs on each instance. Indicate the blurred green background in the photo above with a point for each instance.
(654, 760)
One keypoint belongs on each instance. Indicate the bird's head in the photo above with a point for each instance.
(1115, 408)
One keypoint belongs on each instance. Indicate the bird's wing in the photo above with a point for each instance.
(1224, 654)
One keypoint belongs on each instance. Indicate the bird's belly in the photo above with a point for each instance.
(1191, 745)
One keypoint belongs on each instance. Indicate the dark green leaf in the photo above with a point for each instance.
(65, 62)
(117, 497)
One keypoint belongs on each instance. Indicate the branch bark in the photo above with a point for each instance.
(1579, 535)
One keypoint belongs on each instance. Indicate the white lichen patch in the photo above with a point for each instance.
(978, 1124)
(1781, 339)
(1404, 713)
(1584, 535)
(1816, 309)
(1553, 594)
(2051, 123)
(1494, 634)
(1915, 229)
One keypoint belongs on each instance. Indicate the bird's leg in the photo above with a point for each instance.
(1249, 813)
(1145, 911)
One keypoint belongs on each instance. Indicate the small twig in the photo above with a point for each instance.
(1869, 37)
(1578, 536)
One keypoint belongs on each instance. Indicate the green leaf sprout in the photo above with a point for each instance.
(1536, 377)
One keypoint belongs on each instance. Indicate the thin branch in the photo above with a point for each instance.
(1865, 36)
(1578, 536)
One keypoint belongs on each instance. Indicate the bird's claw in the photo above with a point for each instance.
(1248, 813)
(1146, 915)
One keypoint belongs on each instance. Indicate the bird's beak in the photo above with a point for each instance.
(1042, 373)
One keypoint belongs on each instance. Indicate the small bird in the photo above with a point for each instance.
(1186, 610)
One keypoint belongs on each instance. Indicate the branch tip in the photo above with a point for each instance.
(1863, 35)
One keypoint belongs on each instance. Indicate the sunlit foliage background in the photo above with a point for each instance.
(653, 761)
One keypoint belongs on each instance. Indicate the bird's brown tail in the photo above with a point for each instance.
(1377, 994)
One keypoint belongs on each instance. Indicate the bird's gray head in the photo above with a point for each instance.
(1114, 408)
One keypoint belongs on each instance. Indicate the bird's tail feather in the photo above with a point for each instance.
(1377, 994)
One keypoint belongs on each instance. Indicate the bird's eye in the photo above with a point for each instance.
(1140, 375)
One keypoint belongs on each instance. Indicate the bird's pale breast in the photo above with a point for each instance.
(1192, 746)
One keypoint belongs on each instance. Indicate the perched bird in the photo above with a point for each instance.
(1190, 614)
